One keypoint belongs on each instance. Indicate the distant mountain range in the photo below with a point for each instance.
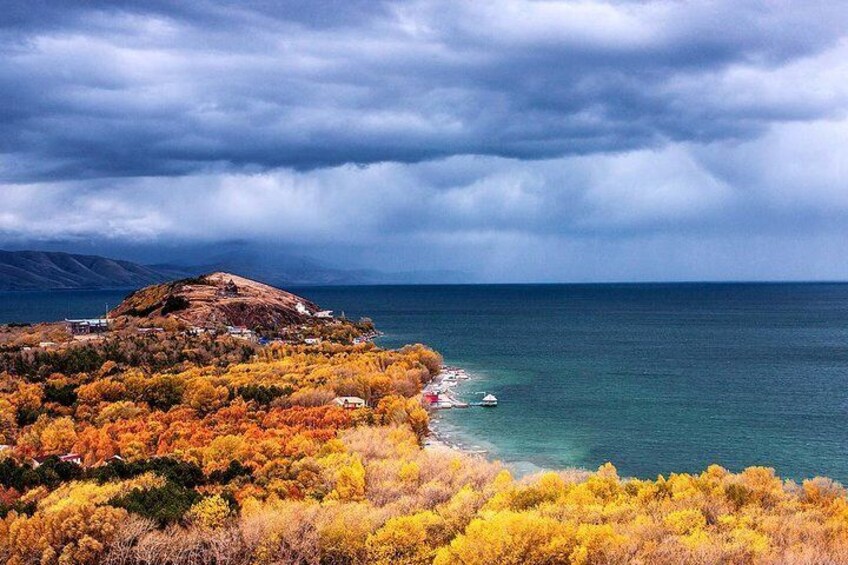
(47, 270)
(39, 270)
(280, 268)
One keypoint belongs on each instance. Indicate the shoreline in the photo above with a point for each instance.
(442, 386)
(449, 377)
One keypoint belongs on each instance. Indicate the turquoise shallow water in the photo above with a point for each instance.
(655, 378)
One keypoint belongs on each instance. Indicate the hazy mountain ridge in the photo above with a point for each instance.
(59, 270)
(40, 270)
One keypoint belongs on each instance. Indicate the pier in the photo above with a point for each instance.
(439, 394)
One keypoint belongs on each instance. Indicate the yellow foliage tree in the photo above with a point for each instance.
(350, 482)
(511, 538)
(405, 540)
(203, 396)
(211, 512)
(58, 436)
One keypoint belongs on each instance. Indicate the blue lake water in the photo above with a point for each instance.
(655, 378)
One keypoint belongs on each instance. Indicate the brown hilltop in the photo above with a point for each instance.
(219, 299)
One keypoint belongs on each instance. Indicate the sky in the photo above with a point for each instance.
(513, 141)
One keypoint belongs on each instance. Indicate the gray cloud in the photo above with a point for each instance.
(112, 89)
(481, 212)
(515, 139)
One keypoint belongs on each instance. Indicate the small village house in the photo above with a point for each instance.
(350, 402)
(88, 326)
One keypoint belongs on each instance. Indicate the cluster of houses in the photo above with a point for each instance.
(74, 458)
(245, 333)
(241, 332)
(84, 328)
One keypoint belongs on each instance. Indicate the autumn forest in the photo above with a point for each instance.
(170, 447)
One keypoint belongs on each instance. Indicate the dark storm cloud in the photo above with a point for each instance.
(111, 89)
(25, 17)
(576, 140)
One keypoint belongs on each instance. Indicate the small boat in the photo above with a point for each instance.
(489, 401)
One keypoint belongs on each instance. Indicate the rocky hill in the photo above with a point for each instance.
(40, 270)
(219, 299)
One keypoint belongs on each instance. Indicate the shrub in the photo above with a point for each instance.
(65, 395)
(165, 505)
